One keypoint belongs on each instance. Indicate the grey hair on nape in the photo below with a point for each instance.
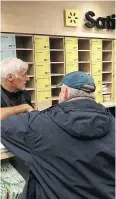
(80, 93)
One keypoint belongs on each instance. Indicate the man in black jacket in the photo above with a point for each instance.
(69, 148)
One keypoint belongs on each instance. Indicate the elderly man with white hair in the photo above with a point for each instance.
(13, 81)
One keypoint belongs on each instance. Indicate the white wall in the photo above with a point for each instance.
(48, 17)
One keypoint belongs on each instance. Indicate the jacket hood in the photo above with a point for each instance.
(84, 119)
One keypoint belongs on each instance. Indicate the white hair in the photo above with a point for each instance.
(12, 66)
(80, 93)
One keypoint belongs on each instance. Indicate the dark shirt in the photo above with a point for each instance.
(15, 99)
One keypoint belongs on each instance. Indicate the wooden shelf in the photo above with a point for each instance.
(107, 61)
(25, 55)
(85, 67)
(56, 43)
(105, 93)
(33, 102)
(55, 93)
(106, 45)
(57, 66)
(23, 35)
(54, 102)
(30, 89)
(106, 82)
(56, 80)
(106, 66)
(56, 56)
(30, 83)
(83, 62)
(107, 56)
(83, 50)
(83, 44)
(56, 62)
(24, 49)
(56, 37)
(32, 93)
(55, 74)
(55, 98)
(107, 51)
(31, 70)
(105, 72)
(106, 40)
(31, 76)
(107, 77)
(55, 86)
(6, 155)
(62, 50)
(109, 104)
(30, 62)
(83, 56)
(24, 41)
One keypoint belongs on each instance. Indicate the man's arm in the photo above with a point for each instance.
(5, 112)
(17, 136)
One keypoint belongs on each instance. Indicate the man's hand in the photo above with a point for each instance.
(5, 112)
(28, 108)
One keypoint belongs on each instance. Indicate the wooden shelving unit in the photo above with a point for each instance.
(83, 44)
(78, 55)
(96, 67)
(50, 58)
(84, 55)
(25, 51)
(50, 69)
(71, 54)
(114, 71)
(42, 68)
(107, 70)
(95, 57)
(57, 65)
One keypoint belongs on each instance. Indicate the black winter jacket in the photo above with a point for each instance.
(69, 149)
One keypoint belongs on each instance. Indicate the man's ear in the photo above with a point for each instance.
(10, 77)
(65, 93)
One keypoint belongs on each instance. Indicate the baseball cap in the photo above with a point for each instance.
(79, 80)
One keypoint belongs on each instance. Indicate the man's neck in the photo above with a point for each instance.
(8, 87)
